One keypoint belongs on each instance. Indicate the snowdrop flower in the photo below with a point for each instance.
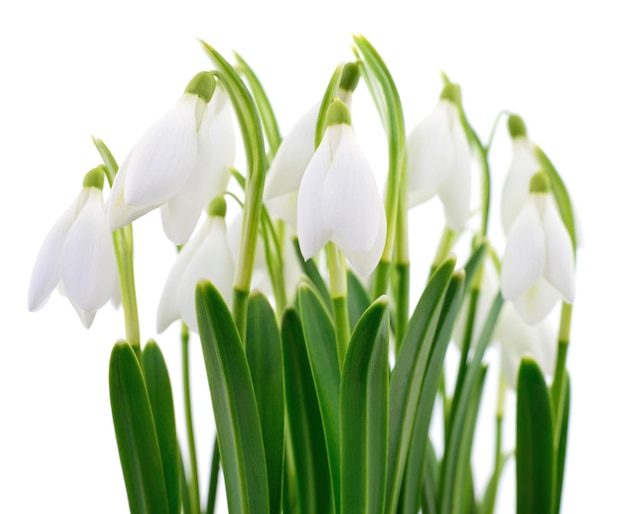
(518, 339)
(205, 256)
(538, 262)
(181, 163)
(295, 152)
(77, 255)
(524, 165)
(339, 200)
(439, 160)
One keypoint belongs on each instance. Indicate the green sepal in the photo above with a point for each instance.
(162, 403)
(364, 413)
(319, 337)
(535, 468)
(265, 358)
(136, 433)
(234, 405)
(310, 474)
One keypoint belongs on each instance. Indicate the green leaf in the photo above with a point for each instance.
(234, 405)
(358, 299)
(407, 377)
(535, 451)
(162, 403)
(458, 445)
(319, 337)
(310, 457)
(562, 447)
(414, 472)
(310, 270)
(136, 434)
(265, 358)
(429, 488)
(364, 413)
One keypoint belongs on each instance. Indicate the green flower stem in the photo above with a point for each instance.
(492, 492)
(401, 264)
(123, 243)
(446, 242)
(215, 468)
(486, 178)
(558, 386)
(194, 489)
(339, 296)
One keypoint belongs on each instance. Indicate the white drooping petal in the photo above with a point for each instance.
(292, 158)
(430, 153)
(559, 270)
(353, 205)
(212, 261)
(524, 165)
(164, 157)
(537, 301)
(525, 253)
(168, 310)
(455, 191)
(313, 229)
(119, 213)
(210, 174)
(88, 267)
(47, 270)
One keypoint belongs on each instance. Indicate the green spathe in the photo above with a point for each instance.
(202, 85)
(350, 76)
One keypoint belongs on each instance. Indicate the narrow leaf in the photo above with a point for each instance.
(358, 299)
(535, 451)
(364, 413)
(265, 358)
(136, 433)
(234, 405)
(562, 448)
(311, 474)
(162, 403)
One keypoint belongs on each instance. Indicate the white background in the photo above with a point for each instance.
(74, 69)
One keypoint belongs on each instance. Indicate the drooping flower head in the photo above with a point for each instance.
(295, 153)
(439, 159)
(206, 256)
(339, 200)
(181, 163)
(538, 265)
(77, 255)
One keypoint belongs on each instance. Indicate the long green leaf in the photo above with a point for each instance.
(309, 268)
(431, 476)
(234, 405)
(535, 451)
(457, 439)
(162, 402)
(364, 413)
(265, 358)
(136, 433)
(311, 473)
(407, 377)
(562, 448)
(358, 299)
(319, 337)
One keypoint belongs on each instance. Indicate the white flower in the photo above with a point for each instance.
(339, 200)
(205, 256)
(78, 257)
(439, 162)
(538, 262)
(518, 339)
(181, 163)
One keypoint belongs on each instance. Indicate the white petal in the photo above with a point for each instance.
(560, 266)
(86, 317)
(211, 261)
(88, 266)
(210, 175)
(168, 310)
(537, 302)
(524, 256)
(455, 190)
(430, 151)
(284, 207)
(293, 156)
(47, 270)
(352, 204)
(164, 157)
(119, 213)
(524, 165)
(313, 232)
